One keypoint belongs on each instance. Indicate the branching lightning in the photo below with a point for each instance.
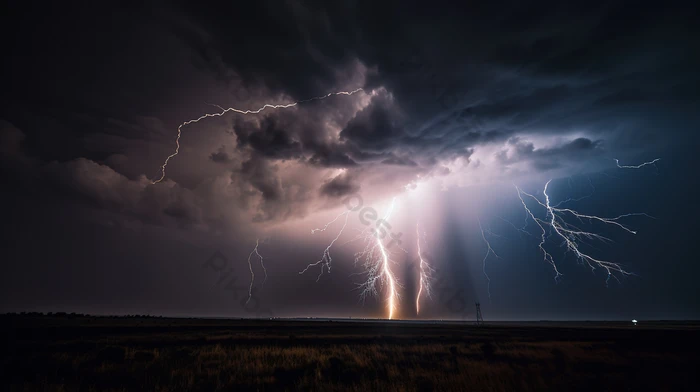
(426, 274)
(376, 262)
(239, 111)
(326, 259)
(252, 274)
(547, 257)
(572, 236)
(374, 257)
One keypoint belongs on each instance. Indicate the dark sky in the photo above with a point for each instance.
(458, 104)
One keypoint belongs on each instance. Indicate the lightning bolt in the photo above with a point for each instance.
(252, 274)
(239, 111)
(426, 274)
(392, 297)
(326, 259)
(617, 162)
(571, 235)
(489, 250)
(377, 266)
(547, 257)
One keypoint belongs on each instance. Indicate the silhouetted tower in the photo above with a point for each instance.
(479, 318)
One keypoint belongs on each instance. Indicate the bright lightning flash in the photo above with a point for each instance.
(239, 111)
(376, 262)
(252, 274)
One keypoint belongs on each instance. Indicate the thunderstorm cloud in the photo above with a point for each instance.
(462, 96)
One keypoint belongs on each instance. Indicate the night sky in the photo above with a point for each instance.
(459, 105)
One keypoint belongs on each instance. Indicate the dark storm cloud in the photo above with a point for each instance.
(486, 74)
(403, 161)
(220, 156)
(263, 178)
(339, 186)
(444, 82)
(267, 195)
(267, 137)
(331, 156)
(295, 47)
(101, 186)
(547, 158)
(12, 153)
(92, 99)
(375, 128)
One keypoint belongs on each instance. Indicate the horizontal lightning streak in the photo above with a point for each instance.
(617, 162)
(239, 111)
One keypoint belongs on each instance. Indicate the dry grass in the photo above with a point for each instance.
(351, 360)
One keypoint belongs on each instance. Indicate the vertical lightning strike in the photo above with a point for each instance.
(252, 274)
(426, 273)
(239, 111)
(326, 259)
(572, 236)
(489, 250)
(617, 162)
(376, 262)
(387, 271)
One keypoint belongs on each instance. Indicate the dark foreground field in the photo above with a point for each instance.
(116, 354)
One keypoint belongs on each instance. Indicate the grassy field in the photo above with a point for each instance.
(119, 354)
